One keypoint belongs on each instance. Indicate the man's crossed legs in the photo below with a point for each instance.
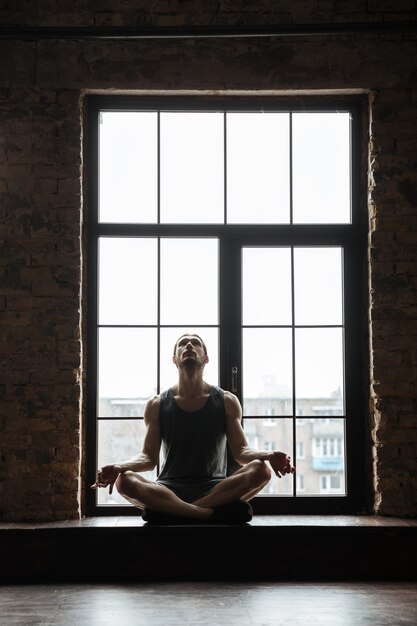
(241, 486)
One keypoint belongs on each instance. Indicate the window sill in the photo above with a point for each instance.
(281, 548)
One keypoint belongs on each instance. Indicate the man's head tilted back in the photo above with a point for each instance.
(190, 352)
(190, 336)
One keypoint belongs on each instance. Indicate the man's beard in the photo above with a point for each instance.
(190, 363)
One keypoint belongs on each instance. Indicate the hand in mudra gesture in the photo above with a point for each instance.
(280, 463)
(106, 476)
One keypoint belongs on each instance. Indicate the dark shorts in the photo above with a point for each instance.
(190, 490)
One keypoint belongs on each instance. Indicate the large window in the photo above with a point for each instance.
(240, 220)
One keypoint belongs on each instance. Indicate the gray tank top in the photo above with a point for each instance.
(194, 444)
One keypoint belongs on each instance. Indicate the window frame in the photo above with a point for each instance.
(351, 237)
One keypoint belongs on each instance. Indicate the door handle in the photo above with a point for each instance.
(234, 379)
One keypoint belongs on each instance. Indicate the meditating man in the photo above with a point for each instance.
(194, 422)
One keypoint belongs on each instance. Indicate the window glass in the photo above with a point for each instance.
(262, 435)
(322, 465)
(319, 373)
(192, 168)
(189, 281)
(321, 168)
(128, 176)
(127, 280)
(266, 289)
(267, 371)
(318, 286)
(258, 178)
(127, 370)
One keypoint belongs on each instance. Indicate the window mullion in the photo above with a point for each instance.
(230, 315)
(290, 156)
(293, 364)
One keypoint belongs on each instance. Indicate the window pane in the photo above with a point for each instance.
(266, 286)
(323, 464)
(128, 167)
(318, 286)
(258, 168)
(267, 371)
(127, 280)
(119, 440)
(189, 281)
(321, 168)
(192, 167)
(272, 434)
(169, 336)
(319, 371)
(127, 370)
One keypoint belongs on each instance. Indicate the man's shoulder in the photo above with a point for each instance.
(154, 403)
(156, 399)
(152, 407)
(216, 390)
(229, 399)
(228, 395)
(232, 405)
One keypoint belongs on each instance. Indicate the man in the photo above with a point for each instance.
(194, 422)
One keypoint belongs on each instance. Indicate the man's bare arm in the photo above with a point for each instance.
(146, 460)
(239, 447)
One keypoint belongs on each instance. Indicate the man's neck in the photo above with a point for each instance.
(190, 383)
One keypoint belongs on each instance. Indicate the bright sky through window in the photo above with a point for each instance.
(192, 177)
(192, 151)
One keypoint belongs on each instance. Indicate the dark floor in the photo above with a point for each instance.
(211, 604)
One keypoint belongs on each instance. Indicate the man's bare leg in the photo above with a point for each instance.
(143, 493)
(242, 485)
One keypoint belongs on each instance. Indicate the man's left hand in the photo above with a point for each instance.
(280, 463)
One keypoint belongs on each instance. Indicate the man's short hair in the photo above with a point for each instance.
(191, 335)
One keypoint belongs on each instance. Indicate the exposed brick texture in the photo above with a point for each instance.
(42, 85)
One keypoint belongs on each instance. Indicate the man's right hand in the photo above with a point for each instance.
(106, 476)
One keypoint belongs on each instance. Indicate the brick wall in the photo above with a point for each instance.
(40, 276)
(393, 249)
(42, 84)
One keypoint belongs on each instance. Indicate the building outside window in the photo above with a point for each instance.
(300, 449)
(330, 483)
(238, 219)
(300, 482)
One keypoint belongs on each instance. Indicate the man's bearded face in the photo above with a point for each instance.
(190, 352)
